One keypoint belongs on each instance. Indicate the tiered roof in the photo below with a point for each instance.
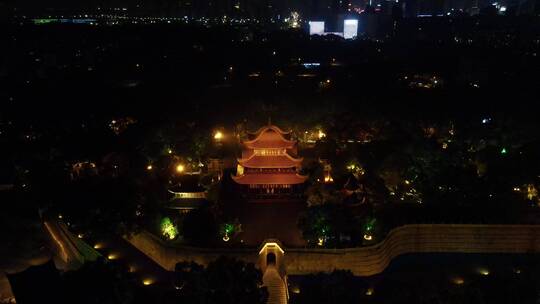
(270, 179)
(269, 138)
(273, 161)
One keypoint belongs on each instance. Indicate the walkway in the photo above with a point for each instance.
(275, 285)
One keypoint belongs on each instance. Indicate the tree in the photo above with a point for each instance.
(200, 227)
(100, 282)
(225, 280)
(318, 194)
(337, 287)
(329, 225)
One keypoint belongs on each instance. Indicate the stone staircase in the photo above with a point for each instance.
(277, 293)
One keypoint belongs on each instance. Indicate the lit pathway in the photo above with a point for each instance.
(275, 285)
(71, 252)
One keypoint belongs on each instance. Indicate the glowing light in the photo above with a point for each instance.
(60, 216)
(80, 235)
(295, 289)
(483, 271)
(320, 242)
(149, 167)
(350, 28)
(407, 182)
(321, 134)
(57, 241)
(169, 151)
(98, 246)
(316, 28)
(112, 256)
(180, 168)
(271, 245)
(147, 282)
(503, 151)
(458, 281)
(532, 192)
(168, 229)
(369, 291)
(226, 238)
(132, 269)
(368, 237)
(218, 135)
(517, 189)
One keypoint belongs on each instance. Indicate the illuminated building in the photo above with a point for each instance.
(187, 194)
(269, 166)
(316, 28)
(350, 28)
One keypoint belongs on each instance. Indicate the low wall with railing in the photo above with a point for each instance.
(365, 261)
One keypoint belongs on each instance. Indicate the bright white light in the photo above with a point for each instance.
(502, 9)
(350, 28)
(316, 28)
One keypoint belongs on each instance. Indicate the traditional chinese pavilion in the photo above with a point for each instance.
(269, 165)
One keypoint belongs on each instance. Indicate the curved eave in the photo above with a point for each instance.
(296, 162)
(269, 179)
(282, 139)
(272, 127)
(283, 144)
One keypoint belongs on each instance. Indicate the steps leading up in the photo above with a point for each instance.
(277, 294)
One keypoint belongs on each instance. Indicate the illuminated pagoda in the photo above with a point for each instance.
(269, 166)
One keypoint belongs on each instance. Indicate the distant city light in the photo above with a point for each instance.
(350, 28)
(308, 65)
(483, 271)
(149, 167)
(180, 168)
(316, 28)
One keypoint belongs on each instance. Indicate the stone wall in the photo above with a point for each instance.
(167, 256)
(365, 261)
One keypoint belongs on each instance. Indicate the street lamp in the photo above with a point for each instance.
(218, 135)
(180, 168)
